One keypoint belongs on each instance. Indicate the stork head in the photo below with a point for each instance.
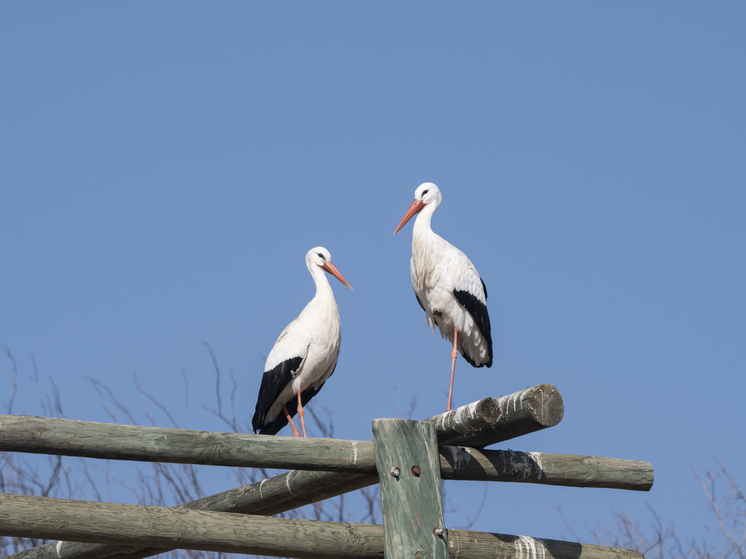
(427, 194)
(319, 257)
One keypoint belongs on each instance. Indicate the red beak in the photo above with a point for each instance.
(416, 206)
(332, 269)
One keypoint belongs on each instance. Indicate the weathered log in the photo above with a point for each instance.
(465, 544)
(68, 437)
(162, 528)
(452, 424)
(465, 463)
(87, 439)
(126, 442)
(411, 497)
(267, 497)
(507, 417)
(524, 412)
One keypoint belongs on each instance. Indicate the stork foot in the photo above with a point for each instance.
(290, 421)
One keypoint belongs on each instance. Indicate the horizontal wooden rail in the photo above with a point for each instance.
(270, 496)
(164, 528)
(87, 439)
(126, 442)
(569, 470)
(68, 437)
(478, 424)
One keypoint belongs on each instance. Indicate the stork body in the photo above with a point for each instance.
(448, 286)
(304, 356)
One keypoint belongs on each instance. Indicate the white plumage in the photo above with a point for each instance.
(304, 356)
(447, 285)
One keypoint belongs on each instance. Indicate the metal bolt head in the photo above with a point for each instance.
(416, 470)
(395, 471)
(438, 533)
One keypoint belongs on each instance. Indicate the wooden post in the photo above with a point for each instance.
(411, 499)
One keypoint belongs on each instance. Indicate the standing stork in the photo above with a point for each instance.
(447, 286)
(304, 356)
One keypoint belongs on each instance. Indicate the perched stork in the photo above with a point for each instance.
(447, 286)
(304, 355)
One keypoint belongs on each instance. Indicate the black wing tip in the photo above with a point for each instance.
(481, 316)
(291, 405)
(473, 363)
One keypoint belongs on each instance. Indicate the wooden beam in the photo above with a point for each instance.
(464, 463)
(270, 496)
(524, 412)
(411, 498)
(452, 424)
(465, 544)
(87, 439)
(509, 415)
(162, 529)
(68, 437)
(125, 442)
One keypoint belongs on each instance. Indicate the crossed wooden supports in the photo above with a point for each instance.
(409, 458)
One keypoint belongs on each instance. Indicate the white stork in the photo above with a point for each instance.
(304, 356)
(447, 286)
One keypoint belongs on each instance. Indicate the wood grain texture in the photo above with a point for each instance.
(465, 463)
(42, 435)
(232, 533)
(464, 544)
(411, 499)
(452, 424)
(527, 411)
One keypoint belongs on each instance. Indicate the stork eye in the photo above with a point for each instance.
(423, 193)
(321, 256)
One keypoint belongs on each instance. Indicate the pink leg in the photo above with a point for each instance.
(301, 413)
(454, 354)
(290, 420)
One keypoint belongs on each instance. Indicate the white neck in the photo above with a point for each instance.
(323, 288)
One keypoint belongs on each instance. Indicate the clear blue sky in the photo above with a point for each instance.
(164, 167)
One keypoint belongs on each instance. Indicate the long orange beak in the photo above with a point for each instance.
(332, 269)
(416, 206)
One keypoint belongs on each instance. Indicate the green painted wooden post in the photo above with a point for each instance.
(411, 500)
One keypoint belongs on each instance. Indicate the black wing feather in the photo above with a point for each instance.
(478, 311)
(273, 383)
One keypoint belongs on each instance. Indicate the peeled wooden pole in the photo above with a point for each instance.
(521, 413)
(124, 442)
(163, 529)
(569, 470)
(477, 424)
(455, 423)
(88, 439)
